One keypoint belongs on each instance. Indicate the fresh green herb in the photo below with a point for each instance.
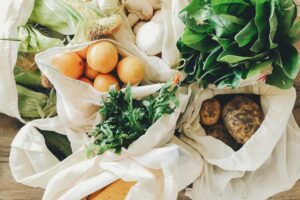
(227, 41)
(126, 119)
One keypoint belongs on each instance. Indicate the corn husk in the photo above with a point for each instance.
(36, 105)
(32, 41)
(56, 15)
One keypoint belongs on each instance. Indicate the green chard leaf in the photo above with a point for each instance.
(287, 13)
(195, 16)
(247, 34)
(273, 23)
(278, 77)
(289, 59)
(227, 25)
(257, 68)
(261, 21)
(200, 42)
(211, 61)
(294, 33)
(231, 7)
(234, 54)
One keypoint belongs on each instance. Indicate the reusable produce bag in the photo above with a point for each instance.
(278, 173)
(78, 103)
(31, 162)
(12, 15)
(160, 70)
(277, 106)
(160, 173)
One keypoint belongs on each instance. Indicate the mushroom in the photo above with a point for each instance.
(132, 19)
(143, 9)
(156, 4)
(149, 38)
(137, 27)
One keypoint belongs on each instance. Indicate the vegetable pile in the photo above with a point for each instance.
(99, 66)
(36, 98)
(126, 119)
(227, 41)
(232, 119)
(54, 23)
(145, 19)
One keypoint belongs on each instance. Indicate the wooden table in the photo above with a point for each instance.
(10, 190)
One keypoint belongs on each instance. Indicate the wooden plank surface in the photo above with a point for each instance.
(10, 190)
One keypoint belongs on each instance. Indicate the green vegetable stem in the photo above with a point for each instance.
(225, 41)
(126, 119)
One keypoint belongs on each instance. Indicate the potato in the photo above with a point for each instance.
(242, 117)
(210, 112)
(218, 131)
(70, 64)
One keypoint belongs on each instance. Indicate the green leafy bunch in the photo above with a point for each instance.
(226, 41)
(126, 119)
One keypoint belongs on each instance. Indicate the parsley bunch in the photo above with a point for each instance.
(126, 119)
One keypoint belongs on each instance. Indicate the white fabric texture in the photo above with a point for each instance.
(278, 173)
(12, 14)
(30, 161)
(78, 103)
(173, 29)
(160, 173)
(265, 165)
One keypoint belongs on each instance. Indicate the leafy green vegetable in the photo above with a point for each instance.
(294, 34)
(126, 119)
(226, 41)
(57, 143)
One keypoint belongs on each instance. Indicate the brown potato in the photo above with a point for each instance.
(218, 131)
(210, 112)
(242, 117)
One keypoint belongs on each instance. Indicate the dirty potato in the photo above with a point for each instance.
(242, 117)
(218, 131)
(210, 112)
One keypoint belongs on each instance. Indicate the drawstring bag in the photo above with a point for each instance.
(274, 102)
(78, 103)
(278, 173)
(159, 174)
